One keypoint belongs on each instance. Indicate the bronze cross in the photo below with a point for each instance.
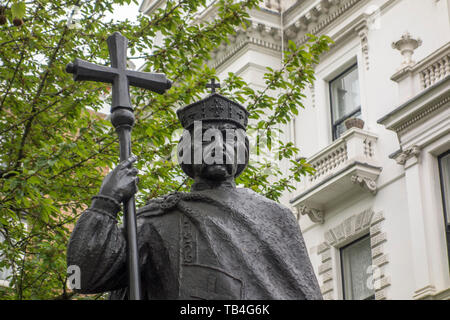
(118, 74)
(213, 85)
(122, 118)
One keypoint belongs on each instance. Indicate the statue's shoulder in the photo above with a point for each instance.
(246, 192)
(161, 205)
(259, 198)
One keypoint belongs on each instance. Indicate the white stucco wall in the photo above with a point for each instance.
(379, 96)
(424, 19)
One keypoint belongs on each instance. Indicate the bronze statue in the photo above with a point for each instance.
(215, 242)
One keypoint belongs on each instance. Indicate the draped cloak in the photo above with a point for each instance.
(224, 243)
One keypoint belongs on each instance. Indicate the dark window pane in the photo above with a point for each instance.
(341, 128)
(345, 94)
(345, 99)
(445, 182)
(444, 170)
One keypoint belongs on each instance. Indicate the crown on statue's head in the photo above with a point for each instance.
(214, 107)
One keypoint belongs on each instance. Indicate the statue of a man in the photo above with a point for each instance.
(215, 242)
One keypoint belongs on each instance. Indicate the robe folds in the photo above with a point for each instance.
(224, 243)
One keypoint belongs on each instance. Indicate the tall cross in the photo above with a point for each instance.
(118, 74)
(122, 118)
(213, 85)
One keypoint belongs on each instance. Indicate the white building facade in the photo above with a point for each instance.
(375, 217)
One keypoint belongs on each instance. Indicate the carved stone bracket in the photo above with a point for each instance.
(315, 215)
(365, 183)
(402, 157)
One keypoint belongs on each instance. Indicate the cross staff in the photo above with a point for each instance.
(213, 85)
(122, 118)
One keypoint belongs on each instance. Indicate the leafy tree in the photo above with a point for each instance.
(54, 151)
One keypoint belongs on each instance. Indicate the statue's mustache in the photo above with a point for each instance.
(216, 151)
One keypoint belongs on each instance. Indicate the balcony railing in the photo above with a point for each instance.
(435, 70)
(415, 78)
(343, 167)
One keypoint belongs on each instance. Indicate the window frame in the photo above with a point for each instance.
(343, 277)
(335, 124)
(444, 204)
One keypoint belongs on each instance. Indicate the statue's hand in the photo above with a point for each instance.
(121, 183)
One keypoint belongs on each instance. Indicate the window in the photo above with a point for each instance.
(444, 172)
(345, 99)
(356, 262)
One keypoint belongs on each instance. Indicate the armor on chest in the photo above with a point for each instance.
(201, 273)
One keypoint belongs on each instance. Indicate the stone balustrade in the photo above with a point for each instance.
(347, 165)
(417, 77)
(435, 70)
(329, 161)
(354, 145)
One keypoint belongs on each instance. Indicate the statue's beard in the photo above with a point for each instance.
(230, 166)
(218, 169)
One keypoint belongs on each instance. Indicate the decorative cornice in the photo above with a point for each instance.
(365, 183)
(256, 34)
(404, 117)
(318, 18)
(315, 215)
(313, 21)
(422, 114)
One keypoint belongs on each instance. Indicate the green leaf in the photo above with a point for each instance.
(18, 9)
(57, 152)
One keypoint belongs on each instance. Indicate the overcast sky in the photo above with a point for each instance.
(122, 13)
(129, 11)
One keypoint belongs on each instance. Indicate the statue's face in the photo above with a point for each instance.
(218, 151)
